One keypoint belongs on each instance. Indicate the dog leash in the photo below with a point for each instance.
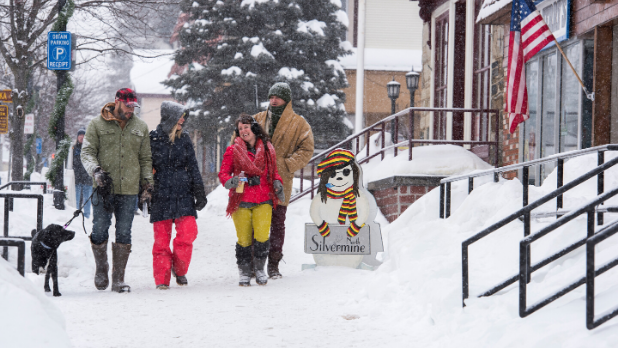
(80, 211)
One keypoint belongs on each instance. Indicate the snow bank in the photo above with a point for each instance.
(29, 318)
(442, 160)
(418, 288)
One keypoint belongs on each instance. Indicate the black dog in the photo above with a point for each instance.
(44, 248)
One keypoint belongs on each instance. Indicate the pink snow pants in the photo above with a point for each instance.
(163, 259)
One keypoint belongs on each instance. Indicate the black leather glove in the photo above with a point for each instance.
(102, 178)
(200, 196)
(253, 180)
(279, 190)
(145, 195)
(232, 183)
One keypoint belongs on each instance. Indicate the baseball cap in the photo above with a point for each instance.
(127, 96)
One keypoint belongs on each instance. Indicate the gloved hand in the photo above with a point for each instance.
(279, 190)
(253, 180)
(231, 183)
(145, 195)
(102, 178)
(200, 196)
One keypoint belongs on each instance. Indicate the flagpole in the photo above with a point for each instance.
(588, 95)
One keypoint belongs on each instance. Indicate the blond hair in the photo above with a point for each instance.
(175, 133)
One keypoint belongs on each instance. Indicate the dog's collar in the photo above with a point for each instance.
(44, 246)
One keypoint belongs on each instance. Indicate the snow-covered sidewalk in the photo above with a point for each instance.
(304, 308)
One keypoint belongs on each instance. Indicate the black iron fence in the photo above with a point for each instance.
(525, 267)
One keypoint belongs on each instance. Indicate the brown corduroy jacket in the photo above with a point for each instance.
(293, 142)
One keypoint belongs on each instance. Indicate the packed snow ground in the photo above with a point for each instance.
(413, 299)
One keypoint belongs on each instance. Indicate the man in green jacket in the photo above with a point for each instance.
(116, 153)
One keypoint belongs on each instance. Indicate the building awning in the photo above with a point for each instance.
(495, 12)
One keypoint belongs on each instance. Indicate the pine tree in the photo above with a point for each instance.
(236, 50)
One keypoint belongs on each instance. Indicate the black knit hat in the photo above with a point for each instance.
(81, 131)
(170, 114)
(281, 90)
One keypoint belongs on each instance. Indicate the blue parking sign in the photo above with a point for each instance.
(59, 50)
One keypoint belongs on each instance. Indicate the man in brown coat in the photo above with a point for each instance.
(292, 138)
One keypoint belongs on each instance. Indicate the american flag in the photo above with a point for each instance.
(529, 34)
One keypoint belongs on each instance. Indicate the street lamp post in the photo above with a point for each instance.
(412, 83)
(392, 89)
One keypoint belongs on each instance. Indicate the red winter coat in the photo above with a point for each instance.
(251, 194)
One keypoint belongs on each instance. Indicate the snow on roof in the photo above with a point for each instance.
(385, 59)
(490, 7)
(148, 74)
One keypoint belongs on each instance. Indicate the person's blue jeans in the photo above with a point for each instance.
(124, 207)
(82, 192)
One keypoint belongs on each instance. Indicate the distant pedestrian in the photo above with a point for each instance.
(83, 181)
(292, 138)
(179, 192)
(249, 171)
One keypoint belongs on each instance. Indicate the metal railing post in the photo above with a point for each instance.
(464, 273)
(590, 270)
(470, 185)
(523, 275)
(312, 178)
(396, 135)
(411, 137)
(383, 135)
(496, 177)
(448, 200)
(600, 184)
(5, 251)
(525, 180)
(442, 201)
(302, 178)
(560, 182)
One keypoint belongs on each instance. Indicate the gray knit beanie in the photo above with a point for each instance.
(170, 114)
(281, 90)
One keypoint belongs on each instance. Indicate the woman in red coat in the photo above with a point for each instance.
(249, 171)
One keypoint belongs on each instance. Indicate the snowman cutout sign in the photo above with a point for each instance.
(343, 232)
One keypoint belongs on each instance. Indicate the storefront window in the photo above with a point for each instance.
(560, 115)
(529, 127)
(571, 90)
(548, 105)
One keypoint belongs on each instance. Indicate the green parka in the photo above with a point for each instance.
(124, 153)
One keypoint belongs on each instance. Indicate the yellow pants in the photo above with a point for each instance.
(253, 223)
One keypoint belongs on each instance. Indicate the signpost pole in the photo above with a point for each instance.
(61, 78)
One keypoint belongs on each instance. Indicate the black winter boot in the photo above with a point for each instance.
(243, 260)
(101, 275)
(260, 253)
(274, 257)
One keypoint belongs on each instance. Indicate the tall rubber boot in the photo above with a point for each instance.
(120, 256)
(101, 276)
(243, 260)
(260, 253)
(274, 257)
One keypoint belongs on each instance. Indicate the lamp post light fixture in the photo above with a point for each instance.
(412, 82)
(392, 89)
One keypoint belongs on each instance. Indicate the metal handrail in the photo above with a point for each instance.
(592, 273)
(42, 183)
(381, 125)
(8, 197)
(445, 184)
(525, 212)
